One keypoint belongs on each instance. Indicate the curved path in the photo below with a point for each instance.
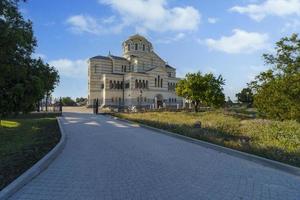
(109, 159)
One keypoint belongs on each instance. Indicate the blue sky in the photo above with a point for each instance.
(223, 37)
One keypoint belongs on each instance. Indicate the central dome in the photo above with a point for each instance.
(135, 45)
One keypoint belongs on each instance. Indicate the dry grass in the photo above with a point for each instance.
(271, 139)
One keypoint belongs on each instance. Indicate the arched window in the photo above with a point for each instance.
(118, 85)
(145, 99)
(138, 99)
(143, 47)
(115, 85)
(161, 83)
(122, 84)
(110, 84)
(136, 46)
(136, 83)
(158, 80)
(175, 100)
(120, 99)
(125, 68)
(155, 82)
(140, 84)
(146, 83)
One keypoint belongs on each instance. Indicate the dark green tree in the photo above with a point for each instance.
(202, 89)
(68, 101)
(245, 96)
(23, 80)
(277, 90)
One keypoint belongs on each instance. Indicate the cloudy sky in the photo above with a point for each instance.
(222, 37)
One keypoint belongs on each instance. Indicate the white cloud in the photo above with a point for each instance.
(240, 42)
(291, 26)
(177, 37)
(85, 23)
(155, 15)
(71, 68)
(82, 23)
(269, 7)
(212, 20)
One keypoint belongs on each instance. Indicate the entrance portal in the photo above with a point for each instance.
(159, 101)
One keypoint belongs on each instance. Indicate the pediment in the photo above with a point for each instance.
(158, 69)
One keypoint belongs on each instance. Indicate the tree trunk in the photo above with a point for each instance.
(47, 96)
(196, 106)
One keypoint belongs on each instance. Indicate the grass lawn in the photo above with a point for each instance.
(271, 139)
(23, 141)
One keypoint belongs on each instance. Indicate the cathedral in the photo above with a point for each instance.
(138, 78)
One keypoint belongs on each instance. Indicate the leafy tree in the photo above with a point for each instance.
(68, 101)
(202, 89)
(229, 102)
(245, 96)
(278, 89)
(23, 80)
(80, 99)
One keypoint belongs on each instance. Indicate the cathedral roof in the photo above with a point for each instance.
(117, 57)
(168, 66)
(100, 57)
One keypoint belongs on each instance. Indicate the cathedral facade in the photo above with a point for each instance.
(138, 78)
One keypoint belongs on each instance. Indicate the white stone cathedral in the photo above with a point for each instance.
(138, 78)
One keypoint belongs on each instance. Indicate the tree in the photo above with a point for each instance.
(23, 80)
(277, 90)
(245, 96)
(68, 101)
(202, 89)
(229, 102)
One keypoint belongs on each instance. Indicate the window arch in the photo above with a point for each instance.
(110, 84)
(158, 79)
(140, 84)
(143, 47)
(136, 83)
(114, 85)
(136, 46)
(146, 83)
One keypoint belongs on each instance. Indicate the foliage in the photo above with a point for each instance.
(23, 141)
(245, 96)
(229, 102)
(278, 89)
(202, 89)
(23, 80)
(272, 139)
(81, 101)
(68, 101)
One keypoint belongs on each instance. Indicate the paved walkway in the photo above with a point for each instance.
(108, 159)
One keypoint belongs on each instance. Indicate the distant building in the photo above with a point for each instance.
(138, 78)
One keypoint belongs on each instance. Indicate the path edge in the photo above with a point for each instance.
(247, 156)
(37, 168)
